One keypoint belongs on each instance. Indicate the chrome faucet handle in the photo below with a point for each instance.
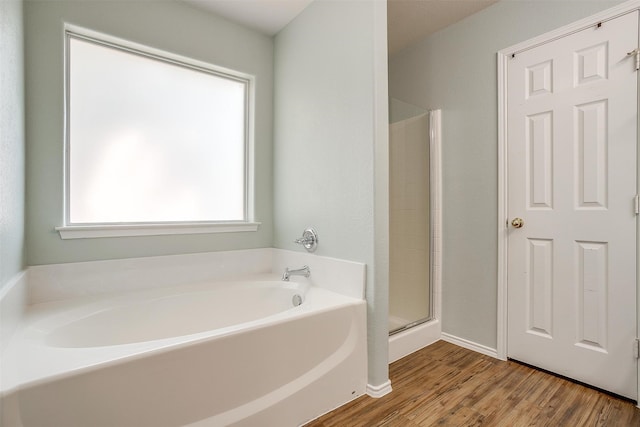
(309, 240)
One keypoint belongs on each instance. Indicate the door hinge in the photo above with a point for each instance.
(636, 204)
(636, 348)
(636, 54)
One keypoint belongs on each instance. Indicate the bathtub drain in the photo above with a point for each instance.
(296, 300)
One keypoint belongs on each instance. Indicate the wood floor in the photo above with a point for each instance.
(446, 385)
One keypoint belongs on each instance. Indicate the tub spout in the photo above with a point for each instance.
(304, 271)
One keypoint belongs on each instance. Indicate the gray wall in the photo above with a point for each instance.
(455, 70)
(12, 144)
(174, 27)
(324, 143)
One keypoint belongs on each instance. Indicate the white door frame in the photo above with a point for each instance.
(503, 58)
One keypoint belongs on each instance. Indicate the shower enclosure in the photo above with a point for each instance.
(410, 290)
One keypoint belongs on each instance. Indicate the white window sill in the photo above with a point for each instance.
(127, 230)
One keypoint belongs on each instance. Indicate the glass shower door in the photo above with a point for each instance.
(409, 217)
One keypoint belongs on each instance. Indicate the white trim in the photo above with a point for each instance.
(145, 50)
(378, 291)
(249, 81)
(435, 179)
(638, 243)
(502, 309)
(377, 391)
(117, 230)
(502, 209)
(406, 342)
(470, 345)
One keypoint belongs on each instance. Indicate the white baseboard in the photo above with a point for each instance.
(377, 391)
(470, 345)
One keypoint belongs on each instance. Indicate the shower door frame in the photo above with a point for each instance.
(422, 333)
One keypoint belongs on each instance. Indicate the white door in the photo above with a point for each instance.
(571, 138)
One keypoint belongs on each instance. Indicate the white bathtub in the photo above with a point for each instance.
(212, 354)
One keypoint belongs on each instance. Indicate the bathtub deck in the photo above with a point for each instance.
(447, 385)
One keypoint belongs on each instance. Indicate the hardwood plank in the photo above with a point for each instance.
(446, 385)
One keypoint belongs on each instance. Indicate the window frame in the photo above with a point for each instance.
(71, 230)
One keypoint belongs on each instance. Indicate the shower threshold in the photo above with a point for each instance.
(409, 326)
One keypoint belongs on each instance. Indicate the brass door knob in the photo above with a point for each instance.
(517, 223)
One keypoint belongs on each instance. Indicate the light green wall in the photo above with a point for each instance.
(169, 25)
(455, 70)
(12, 144)
(324, 144)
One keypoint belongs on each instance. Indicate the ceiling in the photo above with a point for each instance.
(412, 20)
(265, 16)
(409, 20)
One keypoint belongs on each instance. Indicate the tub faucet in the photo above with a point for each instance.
(304, 271)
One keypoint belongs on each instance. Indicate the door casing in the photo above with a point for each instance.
(502, 58)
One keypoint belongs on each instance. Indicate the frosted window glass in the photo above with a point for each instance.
(151, 141)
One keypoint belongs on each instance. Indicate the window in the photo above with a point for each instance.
(154, 142)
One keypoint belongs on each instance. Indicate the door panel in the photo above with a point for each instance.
(572, 153)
